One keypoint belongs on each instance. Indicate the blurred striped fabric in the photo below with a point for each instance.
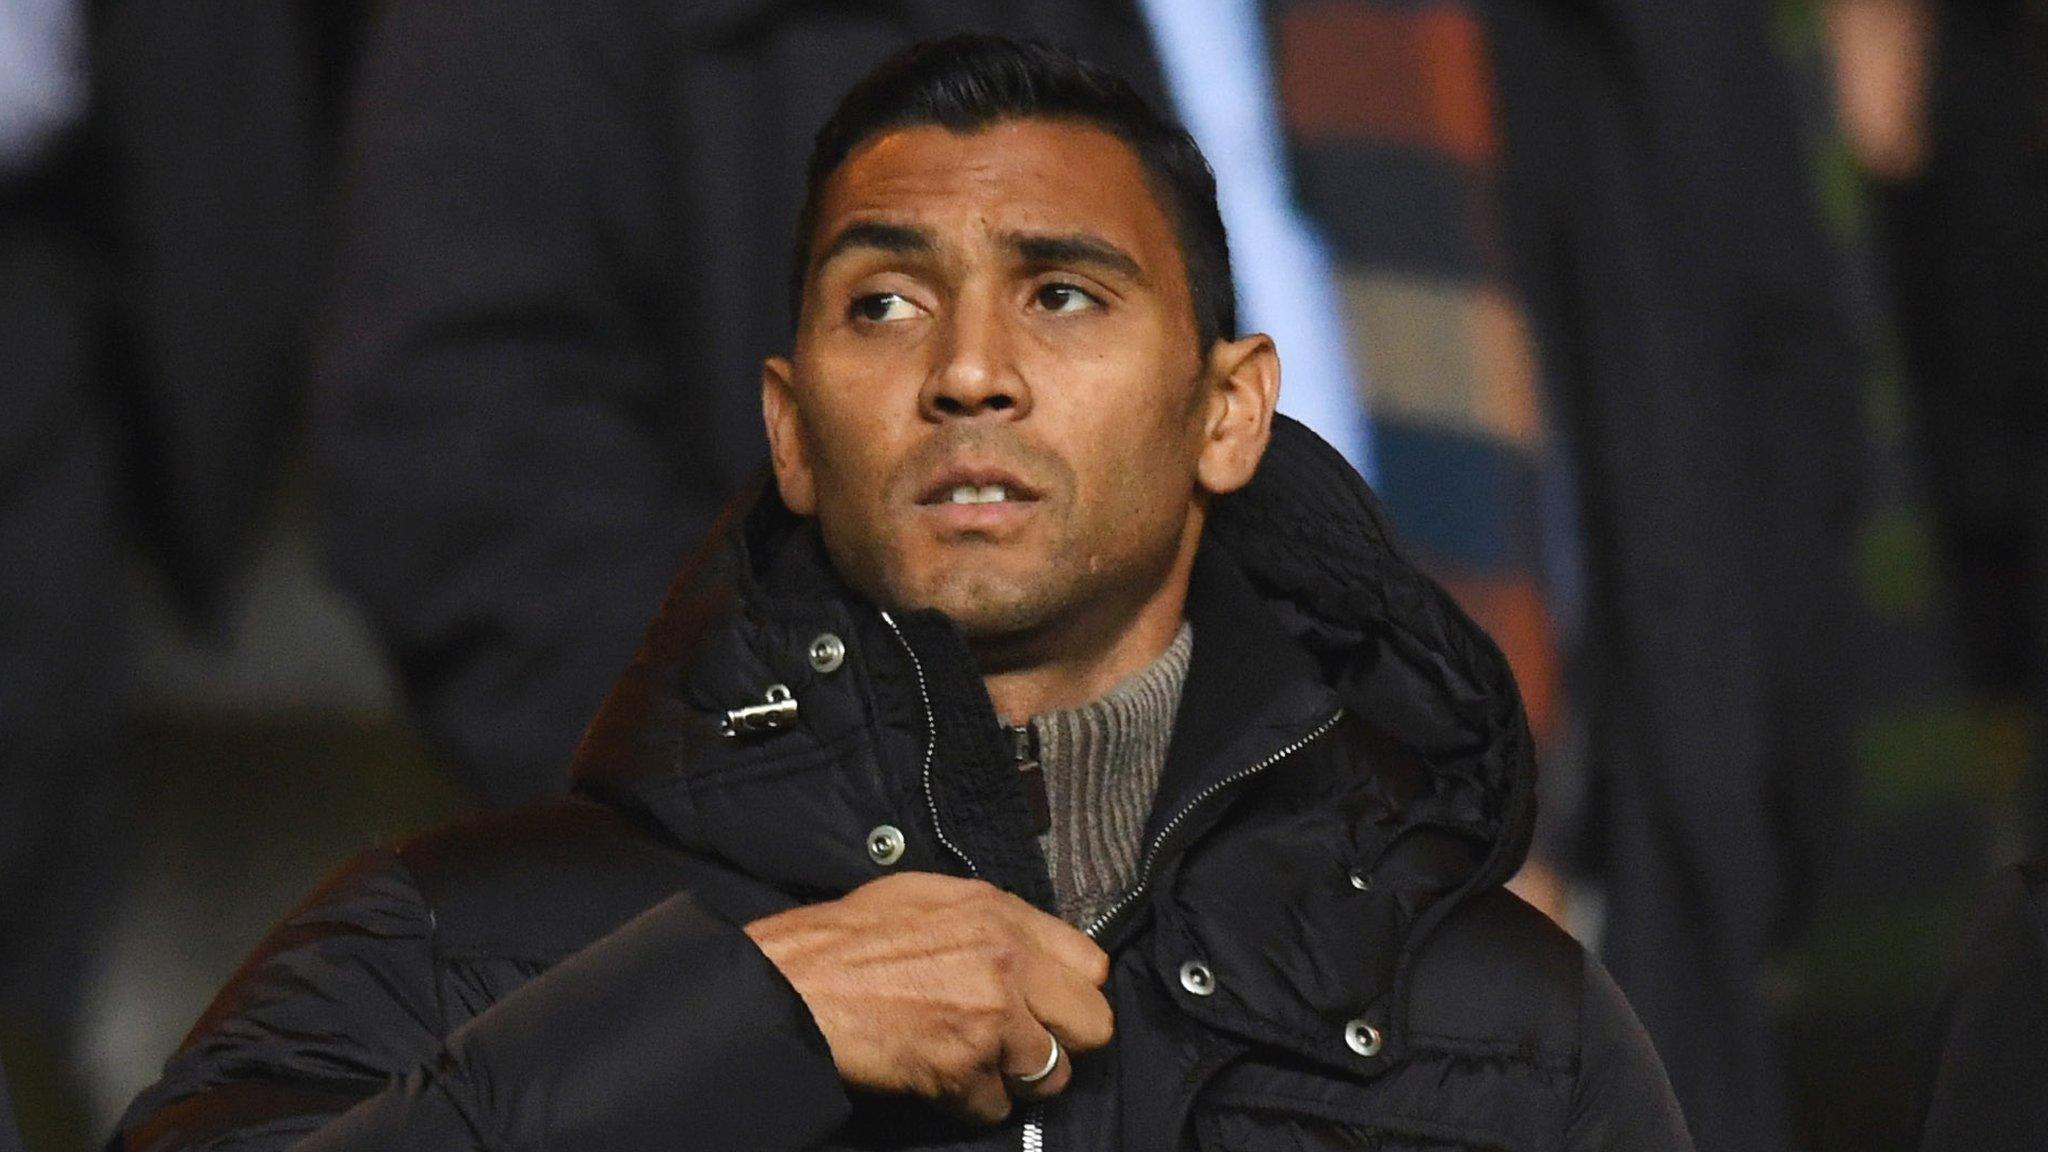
(1389, 106)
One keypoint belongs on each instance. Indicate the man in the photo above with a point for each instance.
(1044, 762)
(1614, 404)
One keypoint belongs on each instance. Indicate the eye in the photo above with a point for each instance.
(1064, 298)
(881, 307)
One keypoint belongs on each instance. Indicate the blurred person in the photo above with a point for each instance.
(1946, 104)
(863, 856)
(160, 183)
(1579, 277)
(64, 697)
(1705, 369)
(1988, 1056)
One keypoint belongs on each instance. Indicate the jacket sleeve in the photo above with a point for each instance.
(1623, 1100)
(500, 491)
(670, 1033)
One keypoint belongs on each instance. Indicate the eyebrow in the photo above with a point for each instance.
(1076, 248)
(897, 238)
(1081, 248)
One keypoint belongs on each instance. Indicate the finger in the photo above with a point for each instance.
(1026, 1047)
(1065, 943)
(1068, 1006)
(985, 1098)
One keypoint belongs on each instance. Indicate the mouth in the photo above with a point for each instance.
(987, 505)
(976, 488)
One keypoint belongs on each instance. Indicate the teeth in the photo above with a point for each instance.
(986, 494)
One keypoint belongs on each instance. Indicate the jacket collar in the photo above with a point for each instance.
(1301, 602)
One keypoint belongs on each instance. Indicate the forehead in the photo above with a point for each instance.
(1049, 175)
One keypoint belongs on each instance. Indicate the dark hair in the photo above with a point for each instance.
(970, 82)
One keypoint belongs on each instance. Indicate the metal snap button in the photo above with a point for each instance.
(1360, 880)
(1362, 1038)
(1197, 979)
(885, 844)
(828, 652)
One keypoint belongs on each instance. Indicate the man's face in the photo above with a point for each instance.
(996, 406)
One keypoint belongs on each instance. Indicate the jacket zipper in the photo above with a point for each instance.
(931, 745)
(1034, 1116)
(1151, 857)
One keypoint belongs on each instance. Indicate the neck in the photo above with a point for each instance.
(1045, 675)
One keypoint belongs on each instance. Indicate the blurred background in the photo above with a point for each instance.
(369, 365)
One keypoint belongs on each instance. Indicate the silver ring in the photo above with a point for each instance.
(1051, 1062)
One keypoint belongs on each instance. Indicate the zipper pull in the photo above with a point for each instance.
(1023, 740)
(776, 712)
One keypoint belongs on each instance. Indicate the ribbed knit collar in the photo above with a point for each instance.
(1101, 764)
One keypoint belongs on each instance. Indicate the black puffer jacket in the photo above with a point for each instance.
(1348, 783)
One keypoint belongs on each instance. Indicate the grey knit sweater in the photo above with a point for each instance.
(1102, 763)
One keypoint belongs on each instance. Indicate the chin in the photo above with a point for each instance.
(987, 605)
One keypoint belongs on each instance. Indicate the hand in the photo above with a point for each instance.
(943, 988)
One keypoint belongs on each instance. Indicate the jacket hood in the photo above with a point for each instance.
(1307, 534)
(1315, 542)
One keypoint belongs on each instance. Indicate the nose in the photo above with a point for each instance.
(976, 372)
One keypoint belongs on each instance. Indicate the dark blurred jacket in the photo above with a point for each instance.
(1662, 209)
(1982, 1089)
(1967, 238)
(157, 268)
(208, 172)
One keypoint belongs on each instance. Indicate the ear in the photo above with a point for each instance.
(787, 451)
(1242, 380)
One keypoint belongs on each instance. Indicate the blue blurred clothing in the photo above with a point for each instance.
(1219, 72)
(42, 77)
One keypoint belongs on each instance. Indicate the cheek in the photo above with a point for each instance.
(851, 461)
(1144, 475)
